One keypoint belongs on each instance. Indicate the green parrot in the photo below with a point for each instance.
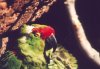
(33, 43)
(38, 49)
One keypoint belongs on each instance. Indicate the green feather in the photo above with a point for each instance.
(32, 49)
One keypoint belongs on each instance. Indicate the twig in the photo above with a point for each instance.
(4, 44)
(85, 45)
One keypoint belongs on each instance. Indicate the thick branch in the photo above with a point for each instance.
(80, 34)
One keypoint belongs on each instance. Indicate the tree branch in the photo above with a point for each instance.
(4, 44)
(85, 45)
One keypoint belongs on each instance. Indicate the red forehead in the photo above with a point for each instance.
(45, 32)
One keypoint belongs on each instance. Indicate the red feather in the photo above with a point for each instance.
(45, 32)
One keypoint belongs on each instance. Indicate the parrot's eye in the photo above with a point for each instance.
(37, 34)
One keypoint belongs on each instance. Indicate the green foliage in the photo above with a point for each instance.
(27, 65)
(10, 61)
(62, 59)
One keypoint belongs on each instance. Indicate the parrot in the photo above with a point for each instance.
(38, 49)
(35, 41)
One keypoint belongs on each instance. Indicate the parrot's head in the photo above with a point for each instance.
(46, 33)
(43, 31)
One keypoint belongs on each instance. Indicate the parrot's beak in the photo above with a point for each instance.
(51, 42)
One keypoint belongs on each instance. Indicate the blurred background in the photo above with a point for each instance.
(89, 14)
